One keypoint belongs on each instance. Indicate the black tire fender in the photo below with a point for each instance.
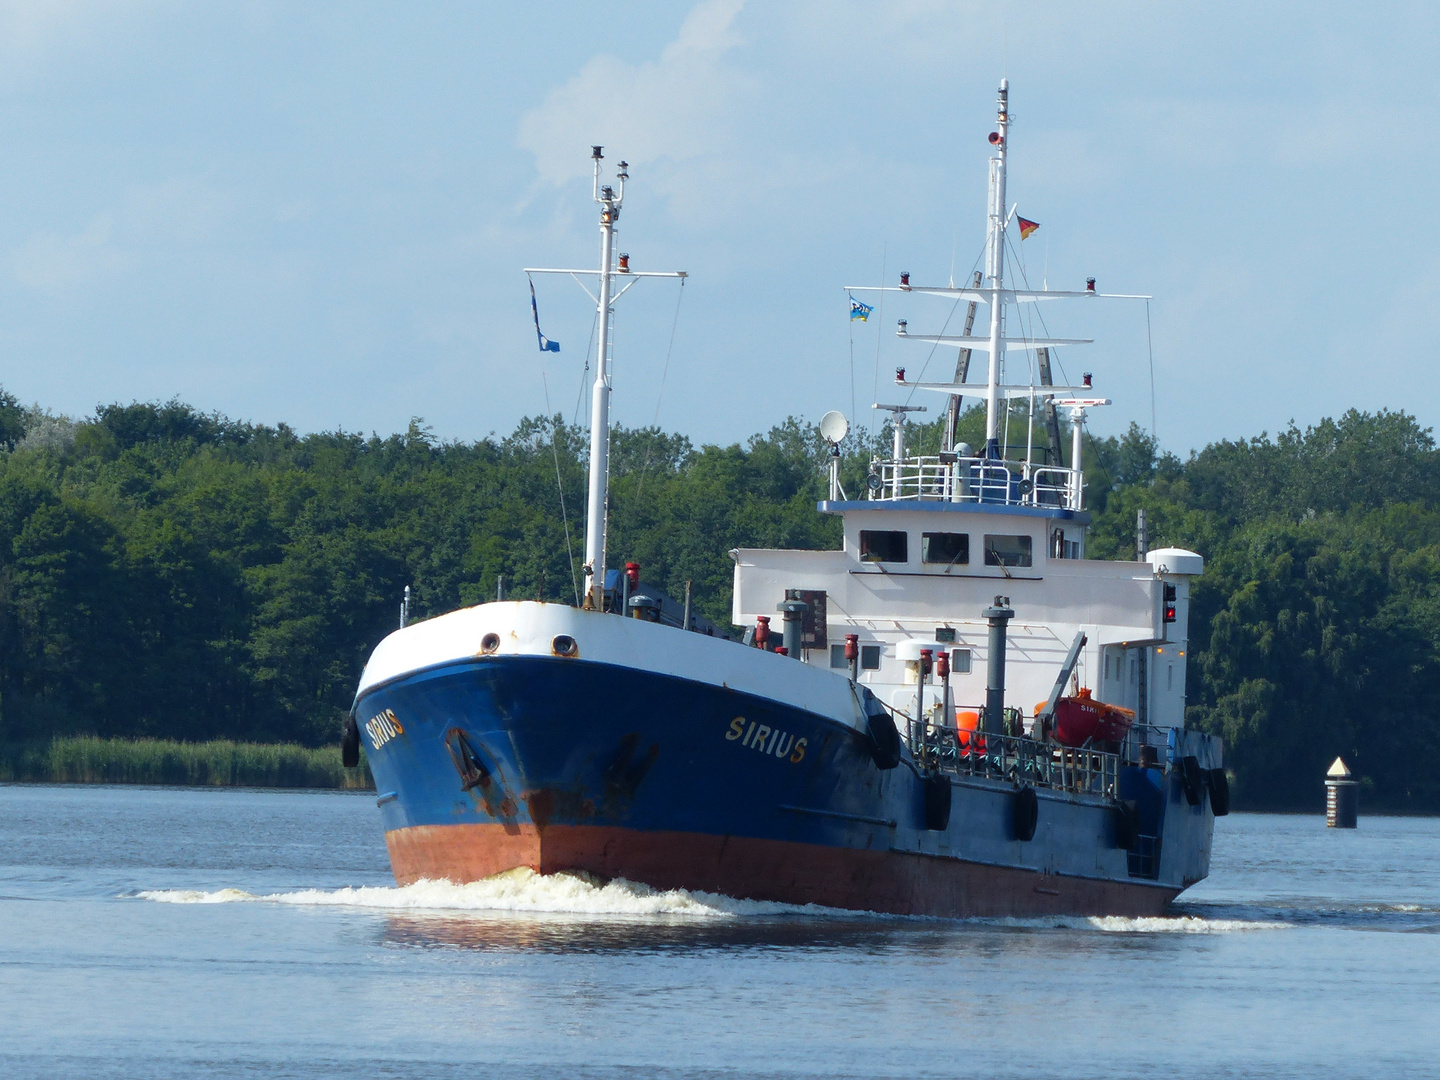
(1127, 824)
(885, 745)
(1024, 813)
(937, 802)
(350, 743)
(1192, 779)
(1219, 785)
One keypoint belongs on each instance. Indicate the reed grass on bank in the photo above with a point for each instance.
(85, 759)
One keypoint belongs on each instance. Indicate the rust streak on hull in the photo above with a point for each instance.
(900, 883)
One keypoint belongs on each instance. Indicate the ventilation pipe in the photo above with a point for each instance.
(997, 616)
(794, 615)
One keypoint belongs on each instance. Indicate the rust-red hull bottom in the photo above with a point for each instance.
(900, 883)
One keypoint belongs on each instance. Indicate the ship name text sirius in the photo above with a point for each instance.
(956, 714)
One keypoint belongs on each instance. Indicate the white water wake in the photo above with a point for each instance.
(515, 891)
(523, 891)
(1144, 924)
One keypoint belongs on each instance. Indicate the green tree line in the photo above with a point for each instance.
(171, 574)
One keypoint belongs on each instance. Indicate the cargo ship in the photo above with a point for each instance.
(870, 750)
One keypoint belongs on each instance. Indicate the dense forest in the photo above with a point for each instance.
(166, 573)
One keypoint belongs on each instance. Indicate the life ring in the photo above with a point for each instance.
(350, 743)
(1024, 813)
(1219, 785)
(1192, 779)
(937, 802)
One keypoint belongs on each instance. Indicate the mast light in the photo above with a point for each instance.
(905, 279)
(595, 152)
(1086, 379)
(899, 374)
(1090, 284)
(901, 330)
(624, 263)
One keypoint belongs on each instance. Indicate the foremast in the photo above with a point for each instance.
(597, 498)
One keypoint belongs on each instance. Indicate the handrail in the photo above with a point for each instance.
(1019, 758)
(949, 478)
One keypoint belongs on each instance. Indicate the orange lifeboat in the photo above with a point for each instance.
(1081, 718)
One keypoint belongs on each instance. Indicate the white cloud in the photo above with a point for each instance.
(52, 263)
(146, 223)
(32, 31)
(678, 108)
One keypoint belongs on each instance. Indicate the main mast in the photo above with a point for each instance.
(995, 271)
(597, 496)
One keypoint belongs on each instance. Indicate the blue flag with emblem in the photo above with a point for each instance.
(859, 311)
(546, 345)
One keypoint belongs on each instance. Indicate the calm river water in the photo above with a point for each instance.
(184, 933)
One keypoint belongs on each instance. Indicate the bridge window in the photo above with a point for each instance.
(885, 546)
(948, 548)
(837, 656)
(960, 661)
(1007, 550)
(870, 655)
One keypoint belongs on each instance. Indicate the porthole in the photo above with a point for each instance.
(564, 645)
(489, 643)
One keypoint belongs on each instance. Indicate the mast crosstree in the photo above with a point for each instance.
(597, 493)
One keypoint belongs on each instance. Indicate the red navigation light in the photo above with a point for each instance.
(1090, 284)
(624, 263)
(1086, 379)
(899, 374)
(905, 279)
(1169, 603)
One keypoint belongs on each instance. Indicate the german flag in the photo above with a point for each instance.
(1026, 227)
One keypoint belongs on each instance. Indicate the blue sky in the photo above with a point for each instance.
(318, 213)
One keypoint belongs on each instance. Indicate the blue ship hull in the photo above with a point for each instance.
(489, 763)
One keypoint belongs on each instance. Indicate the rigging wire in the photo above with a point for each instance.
(1086, 435)
(934, 346)
(879, 333)
(555, 421)
(580, 397)
(1150, 348)
(664, 371)
(850, 323)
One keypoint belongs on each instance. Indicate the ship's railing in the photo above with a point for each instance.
(1147, 744)
(951, 478)
(1016, 757)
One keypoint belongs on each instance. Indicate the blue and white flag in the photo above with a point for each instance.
(546, 345)
(859, 311)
